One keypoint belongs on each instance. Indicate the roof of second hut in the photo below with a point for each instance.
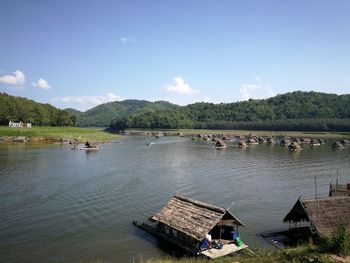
(324, 213)
(192, 217)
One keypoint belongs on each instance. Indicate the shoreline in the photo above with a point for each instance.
(54, 135)
(243, 133)
(76, 135)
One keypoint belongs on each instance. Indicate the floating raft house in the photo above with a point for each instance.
(323, 214)
(339, 190)
(187, 222)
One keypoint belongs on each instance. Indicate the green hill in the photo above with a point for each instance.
(102, 115)
(298, 110)
(73, 112)
(21, 109)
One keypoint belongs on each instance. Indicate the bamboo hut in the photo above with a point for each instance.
(305, 140)
(238, 137)
(339, 189)
(337, 145)
(252, 141)
(323, 215)
(187, 223)
(285, 142)
(242, 144)
(321, 141)
(262, 140)
(270, 140)
(345, 142)
(294, 146)
(220, 144)
(315, 142)
(295, 139)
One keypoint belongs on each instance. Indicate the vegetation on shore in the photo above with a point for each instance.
(18, 109)
(195, 132)
(297, 111)
(44, 133)
(296, 255)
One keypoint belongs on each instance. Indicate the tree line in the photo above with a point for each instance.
(304, 111)
(17, 109)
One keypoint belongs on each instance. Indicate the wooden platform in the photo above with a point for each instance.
(225, 250)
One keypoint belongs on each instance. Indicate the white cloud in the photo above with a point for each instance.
(17, 79)
(206, 99)
(180, 86)
(126, 40)
(42, 84)
(256, 91)
(89, 100)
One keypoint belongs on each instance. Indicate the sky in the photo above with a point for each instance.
(83, 53)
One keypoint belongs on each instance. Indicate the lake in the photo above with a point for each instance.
(60, 205)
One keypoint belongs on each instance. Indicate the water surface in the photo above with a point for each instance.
(59, 205)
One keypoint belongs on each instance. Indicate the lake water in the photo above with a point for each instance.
(59, 205)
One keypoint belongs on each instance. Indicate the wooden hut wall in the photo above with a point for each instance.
(178, 235)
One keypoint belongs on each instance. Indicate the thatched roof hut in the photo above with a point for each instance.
(315, 142)
(285, 142)
(339, 190)
(220, 144)
(294, 146)
(305, 140)
(262, 140)
(193, 218)
(345, 142)
(295, 139)
(252, 141)
(321, 141)
(324, 214)
(337, 145)
(242, 144)
(270, 140)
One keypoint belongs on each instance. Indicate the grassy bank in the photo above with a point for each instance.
(189, 132)
(42, 133)
(295, 255)
(332, 248)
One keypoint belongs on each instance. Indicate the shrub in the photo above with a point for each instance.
(338, 242)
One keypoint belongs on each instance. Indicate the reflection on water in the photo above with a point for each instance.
(63, 205)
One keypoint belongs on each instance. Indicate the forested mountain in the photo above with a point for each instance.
(73, 112)
(290, 111)
(21, 109)
(102, 115)
(311, 111)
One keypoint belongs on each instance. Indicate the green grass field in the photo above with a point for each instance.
(38, 133)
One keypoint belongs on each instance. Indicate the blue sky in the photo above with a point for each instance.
(82, 53)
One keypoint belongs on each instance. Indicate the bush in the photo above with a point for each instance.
(338, 243)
